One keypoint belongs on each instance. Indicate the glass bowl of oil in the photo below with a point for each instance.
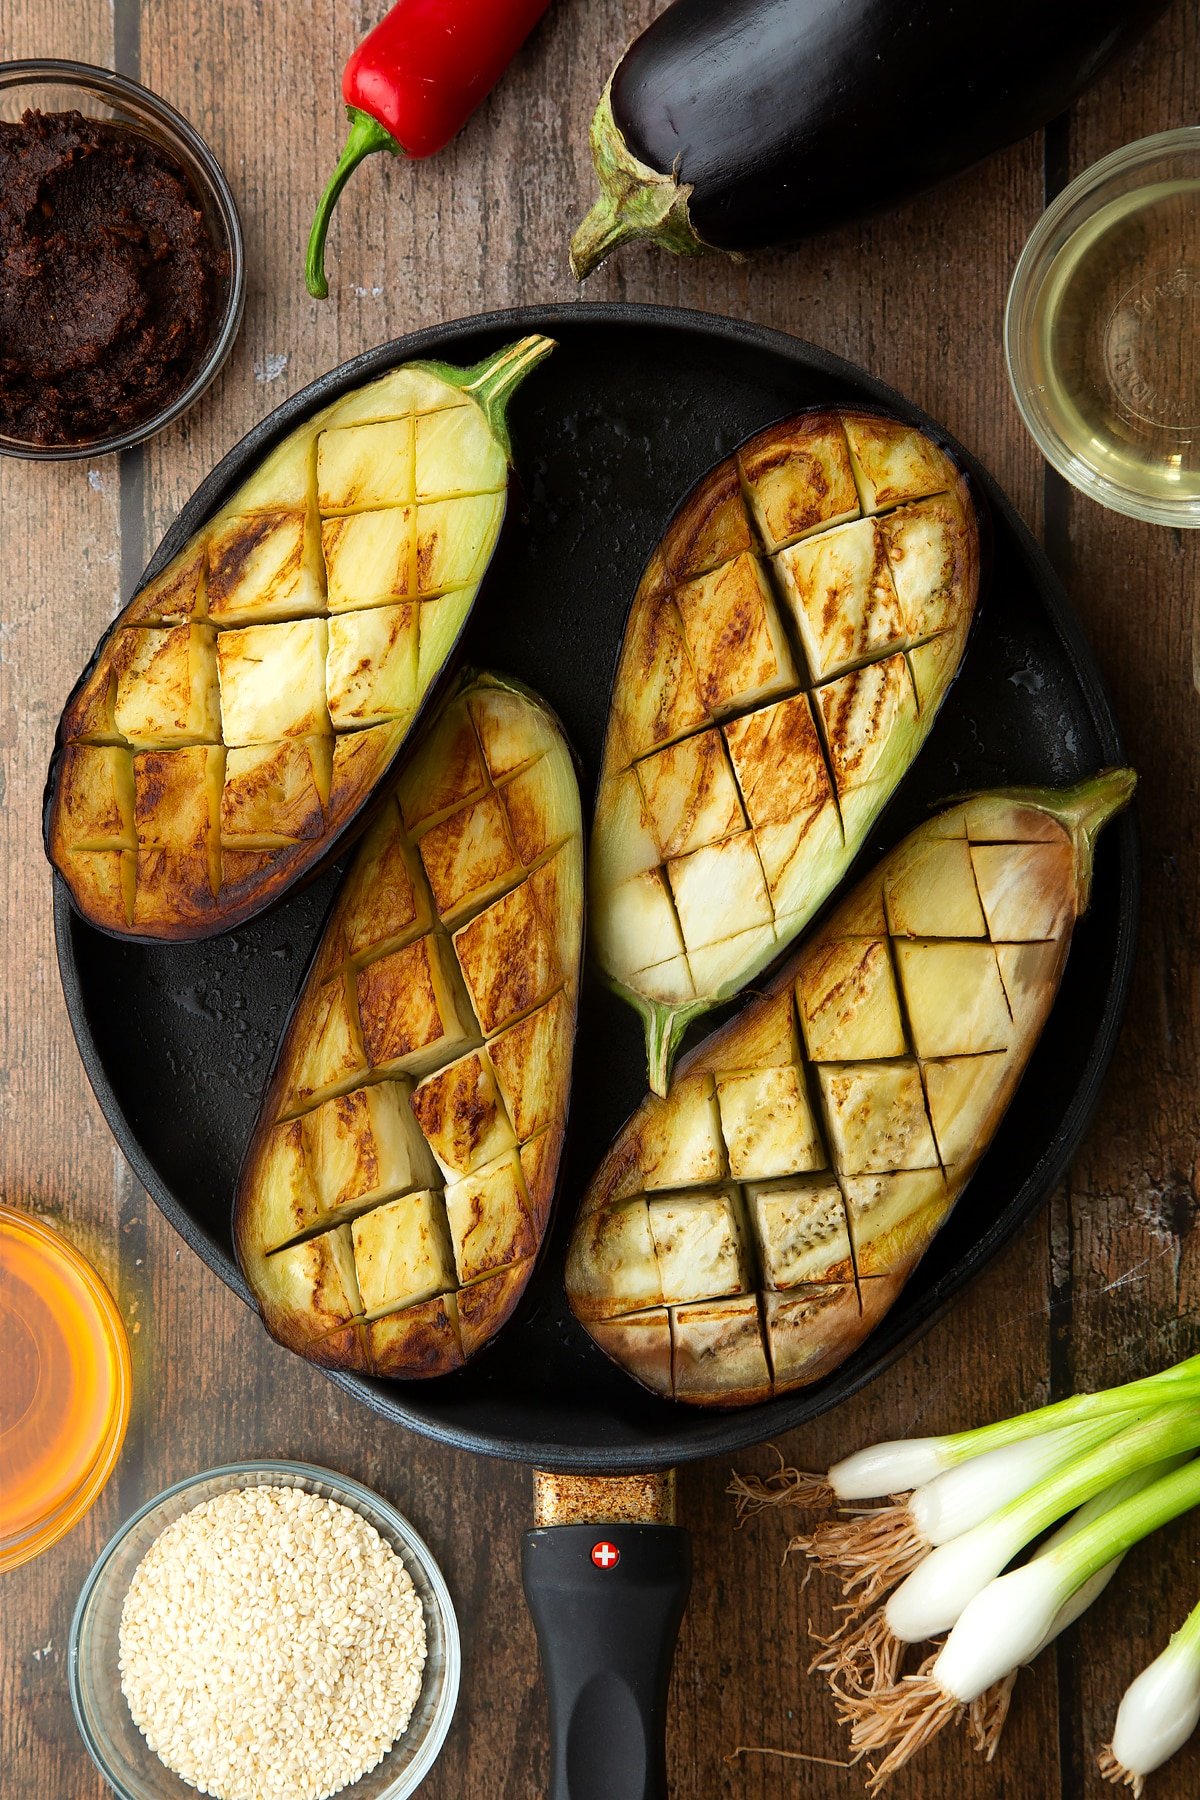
(1102, 330)
(65, 1391)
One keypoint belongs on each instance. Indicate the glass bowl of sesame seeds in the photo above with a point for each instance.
(271, 1630)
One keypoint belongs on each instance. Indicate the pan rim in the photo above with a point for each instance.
(691, 1435)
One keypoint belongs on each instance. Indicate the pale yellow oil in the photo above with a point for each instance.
(1116, 342)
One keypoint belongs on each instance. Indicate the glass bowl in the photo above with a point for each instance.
(118, 1748)
(1102, 330)
(64, 1402)
(54, 85)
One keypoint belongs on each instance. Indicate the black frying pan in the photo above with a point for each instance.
(178, 1040)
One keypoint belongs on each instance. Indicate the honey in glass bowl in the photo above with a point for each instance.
(64, 1397)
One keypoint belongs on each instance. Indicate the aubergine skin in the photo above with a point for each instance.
(778, 118)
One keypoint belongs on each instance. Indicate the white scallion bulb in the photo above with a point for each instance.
(1160, 1710)
(962, 1497)
(932, 1598)
(891, 1468)
(1002, 1627)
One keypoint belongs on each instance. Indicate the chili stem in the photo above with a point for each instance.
(367, 136)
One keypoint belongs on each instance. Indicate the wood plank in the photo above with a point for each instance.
(60, 537)
(747, 1633)
(1126, 1226)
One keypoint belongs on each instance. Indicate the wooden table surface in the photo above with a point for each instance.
(1105, 1282)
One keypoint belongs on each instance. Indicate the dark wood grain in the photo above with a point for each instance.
(1105, 1283)
(1127, 1250)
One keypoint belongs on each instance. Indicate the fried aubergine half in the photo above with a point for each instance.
(788, 647)
(400, 1178)
(744, 1235)
(244, 707)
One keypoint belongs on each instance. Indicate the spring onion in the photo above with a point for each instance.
(863, 1658)
(1010, 1619)
(862, 1661)
(1007, 1623)
(1106, 1469)
(1159, 1712)
(894, 1468)
(870, 1711)
(933, 1597)
(862, 1664)
(988, 1712)
(875, 1549)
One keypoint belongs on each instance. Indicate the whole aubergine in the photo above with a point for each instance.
(744, 1235)
(741, 124)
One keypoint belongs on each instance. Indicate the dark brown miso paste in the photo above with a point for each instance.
(109, 278)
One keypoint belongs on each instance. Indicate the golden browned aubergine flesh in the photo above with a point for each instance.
(745, 1234)
(787, 650)
(243, 708)
(399, 1181)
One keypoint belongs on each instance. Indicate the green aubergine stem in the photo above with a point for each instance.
(367, 137)
(665, 1026)
(493, 382)
(635, 201)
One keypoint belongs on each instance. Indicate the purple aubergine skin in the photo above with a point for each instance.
(786, 116)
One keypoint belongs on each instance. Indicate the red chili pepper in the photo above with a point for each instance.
(413, 83)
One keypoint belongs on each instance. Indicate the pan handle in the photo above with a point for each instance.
(607, 1599)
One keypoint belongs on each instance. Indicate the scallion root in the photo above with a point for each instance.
(988, 1713)
(901, 1720)
(785, 1487)
(826, 1762)
(861, 1657)
(1118, 1774)
(869, 1553)
(793, 1546)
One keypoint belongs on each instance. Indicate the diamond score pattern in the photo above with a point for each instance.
(769, 651)
(419, 1099)
(748, 1231)
(254, 692)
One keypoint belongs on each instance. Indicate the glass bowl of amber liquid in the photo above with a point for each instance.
(65, 1392)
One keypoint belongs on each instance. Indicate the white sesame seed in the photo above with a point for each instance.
(271, 1646)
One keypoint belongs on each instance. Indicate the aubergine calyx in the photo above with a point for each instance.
(635, 201)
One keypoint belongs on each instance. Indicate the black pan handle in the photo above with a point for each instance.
(606, 1601)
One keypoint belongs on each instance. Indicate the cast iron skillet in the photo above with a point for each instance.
(635, 404)
(177, 1040)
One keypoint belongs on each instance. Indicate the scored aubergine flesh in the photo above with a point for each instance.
(400, 1178)
(788, 647)
(248, 701)
(744, 1235)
